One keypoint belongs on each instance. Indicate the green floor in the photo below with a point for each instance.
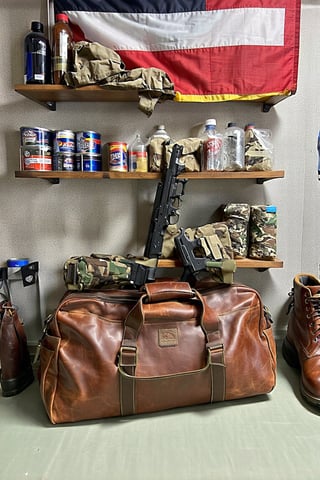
(271, 437)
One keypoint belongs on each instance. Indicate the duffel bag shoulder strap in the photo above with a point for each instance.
(162, 292)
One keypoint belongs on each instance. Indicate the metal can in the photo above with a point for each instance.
(64, 161)
(35, 136)
(88, 142)
(35, 157)
(88, 162)
(64, 141)
(118, 156)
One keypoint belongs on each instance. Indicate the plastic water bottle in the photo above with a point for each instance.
(233, 147)
(212, 158)
(138, 155)
(37, 56)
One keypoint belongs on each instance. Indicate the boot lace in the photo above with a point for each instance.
(314, 316)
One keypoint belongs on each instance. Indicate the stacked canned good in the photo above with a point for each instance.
(88, 147)
(43, 149)
(35, 149)
(80, 151)
(64, 150)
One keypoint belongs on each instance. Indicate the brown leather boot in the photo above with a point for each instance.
(301, 346)
(16, 368)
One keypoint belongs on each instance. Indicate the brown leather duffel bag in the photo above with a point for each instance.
(116, 352)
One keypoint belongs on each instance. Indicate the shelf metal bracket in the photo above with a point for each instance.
(49, 105)
(53, 181)
(260, 181)
(266, 107)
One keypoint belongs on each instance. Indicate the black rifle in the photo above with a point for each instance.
(82, 273)
(165, 208)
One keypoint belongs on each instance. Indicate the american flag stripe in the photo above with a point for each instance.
(183, 31)
(212, 50)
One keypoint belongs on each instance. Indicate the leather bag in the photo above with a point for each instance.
(123, 352)
(16, 370)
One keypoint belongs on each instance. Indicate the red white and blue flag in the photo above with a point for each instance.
(212, 50)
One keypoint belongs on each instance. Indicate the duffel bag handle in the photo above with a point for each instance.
(156, 293)
(163, 291)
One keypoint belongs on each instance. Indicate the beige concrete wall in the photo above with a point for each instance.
(50, 223)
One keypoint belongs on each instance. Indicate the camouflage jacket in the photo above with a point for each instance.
(95, 64)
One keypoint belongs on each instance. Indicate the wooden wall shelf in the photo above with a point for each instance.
(49, 95)
(56, 176)
(241, 263)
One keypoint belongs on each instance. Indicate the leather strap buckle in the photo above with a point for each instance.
(217, 370)
(128, 356)
(213, 350)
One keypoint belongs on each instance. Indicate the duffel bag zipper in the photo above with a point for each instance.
(98, 296)
(71, 297)
(44, 333)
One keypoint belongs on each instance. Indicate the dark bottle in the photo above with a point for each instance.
(37, 55)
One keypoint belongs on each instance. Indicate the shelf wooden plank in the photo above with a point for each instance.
(51, 175)
(48, 95)
(258, 175)
(54, 176)
(241, 263)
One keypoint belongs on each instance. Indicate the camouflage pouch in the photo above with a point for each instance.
(207, 231)
(168, 246)
(258, 149)
(191, 154)
(263, 232)
(99, 270)
(217, 233)
(237, 216)
(156, 154)
(215, 243)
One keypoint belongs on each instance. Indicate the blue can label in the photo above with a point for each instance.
(63, 161)
(88, 162)
(35, 136)
(64, 142)
(88, 142)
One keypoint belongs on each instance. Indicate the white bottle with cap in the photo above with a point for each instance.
(212, 148)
